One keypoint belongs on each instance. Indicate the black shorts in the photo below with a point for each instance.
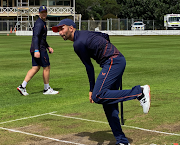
(42, 61)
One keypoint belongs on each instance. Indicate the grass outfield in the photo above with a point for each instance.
(152, 60)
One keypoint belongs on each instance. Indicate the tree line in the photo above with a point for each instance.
(137, 9)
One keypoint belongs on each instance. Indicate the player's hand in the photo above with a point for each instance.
(50, 50)
(37, 54)
(90, 97)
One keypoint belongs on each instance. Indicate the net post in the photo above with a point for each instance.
(122, 114)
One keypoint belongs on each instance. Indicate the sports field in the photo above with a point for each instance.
(69, 118)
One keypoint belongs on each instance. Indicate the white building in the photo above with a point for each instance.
(25, 12)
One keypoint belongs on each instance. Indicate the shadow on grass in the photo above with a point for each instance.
(56, 89)
(101, 136)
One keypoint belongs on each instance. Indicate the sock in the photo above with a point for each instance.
(24, 84)
(46, 86)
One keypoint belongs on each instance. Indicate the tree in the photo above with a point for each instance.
(89, 9)
(110, 7)
(81, 8)
(137, 9)
(147, 9)
(96, 9)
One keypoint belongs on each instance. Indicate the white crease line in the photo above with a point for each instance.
(78, 118)
(27, 117)
(152, 130)
(54, 139)
(122, 125)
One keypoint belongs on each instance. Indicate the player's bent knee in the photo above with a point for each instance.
(98, 97)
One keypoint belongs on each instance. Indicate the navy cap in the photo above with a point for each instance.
(42, 8)
(63, 22)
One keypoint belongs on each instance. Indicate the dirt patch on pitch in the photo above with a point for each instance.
(33, 128)
(169, 127)
(74, 138)
(135, 137)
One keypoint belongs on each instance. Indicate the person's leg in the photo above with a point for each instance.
(110, 73)
(35, 68)
(109, 79)
(31, 73)
(36, 64)
(106, 92)
(112, 112)
(46, 73)
(47, 89)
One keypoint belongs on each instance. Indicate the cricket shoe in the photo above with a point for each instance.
(123, 144)
(145, 98)
(50, 91)
(22, 90)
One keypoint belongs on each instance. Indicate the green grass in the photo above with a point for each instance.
(152, 60)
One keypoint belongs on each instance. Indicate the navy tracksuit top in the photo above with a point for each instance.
(39, 36)
(96, 45)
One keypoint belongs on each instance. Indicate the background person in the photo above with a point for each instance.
(39, 54)
(96, 45)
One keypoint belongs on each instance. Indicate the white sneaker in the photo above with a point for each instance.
(50, 91)
(145, 98)
(22, 90)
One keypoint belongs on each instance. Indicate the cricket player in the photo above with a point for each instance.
(105, 91)
(39, 54)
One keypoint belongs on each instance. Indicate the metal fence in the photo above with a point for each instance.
(117, 24)
(109, 24)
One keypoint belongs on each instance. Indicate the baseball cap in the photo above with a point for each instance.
(63, 22)
(42, 8)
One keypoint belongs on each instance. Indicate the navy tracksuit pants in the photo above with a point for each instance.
(106, 91)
